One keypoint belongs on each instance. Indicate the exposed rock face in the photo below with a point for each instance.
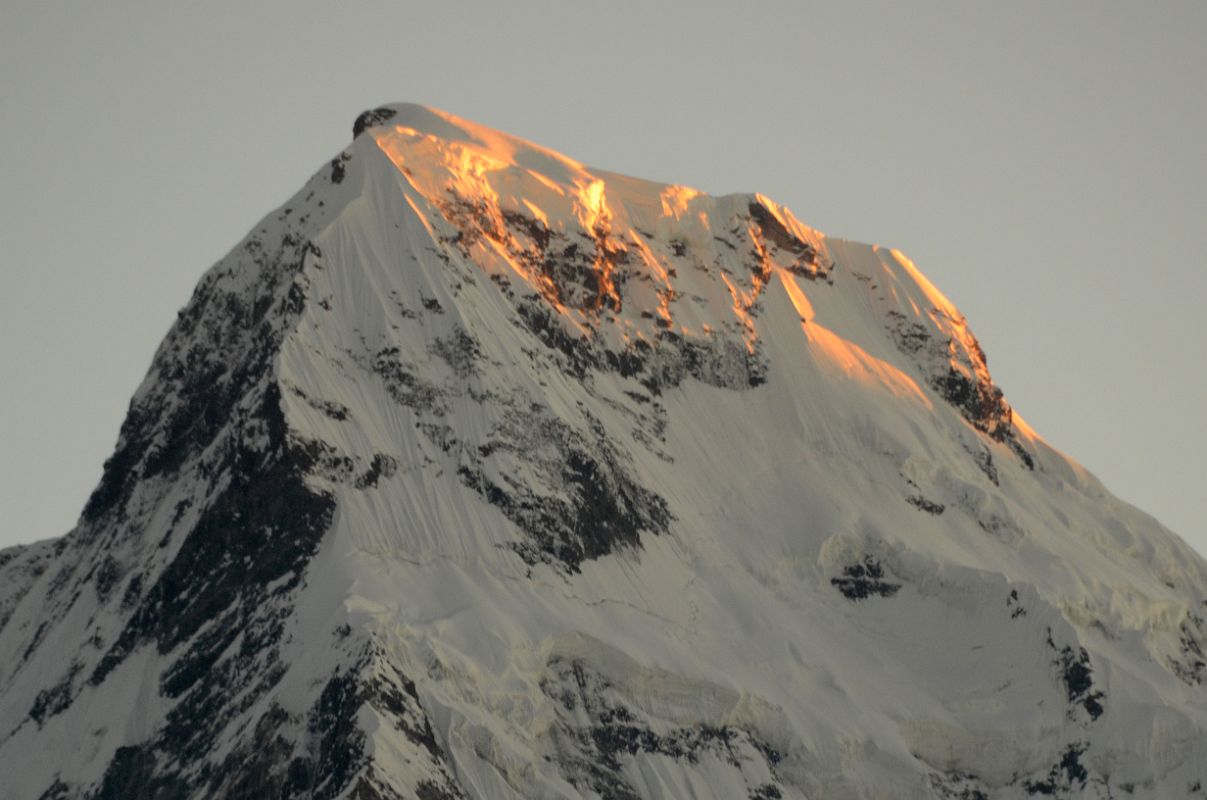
(475, 473)
(368, 119)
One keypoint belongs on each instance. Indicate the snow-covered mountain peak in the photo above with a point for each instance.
(461, 135)
(476, 472)
(662, 261)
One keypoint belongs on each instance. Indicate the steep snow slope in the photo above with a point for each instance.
(475, 472)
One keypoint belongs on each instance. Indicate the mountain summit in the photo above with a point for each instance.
(474, 472)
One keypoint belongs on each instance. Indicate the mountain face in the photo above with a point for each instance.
(476, 473)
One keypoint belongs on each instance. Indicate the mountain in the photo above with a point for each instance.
(472, 472)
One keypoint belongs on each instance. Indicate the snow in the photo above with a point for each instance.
(731, 619)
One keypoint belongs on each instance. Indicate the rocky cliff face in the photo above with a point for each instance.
(476, 473)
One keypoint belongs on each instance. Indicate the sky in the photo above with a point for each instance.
(1043, 163)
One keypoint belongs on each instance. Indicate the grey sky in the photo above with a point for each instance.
(1045, 164)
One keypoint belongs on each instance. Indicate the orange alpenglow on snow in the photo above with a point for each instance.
(659, 259)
